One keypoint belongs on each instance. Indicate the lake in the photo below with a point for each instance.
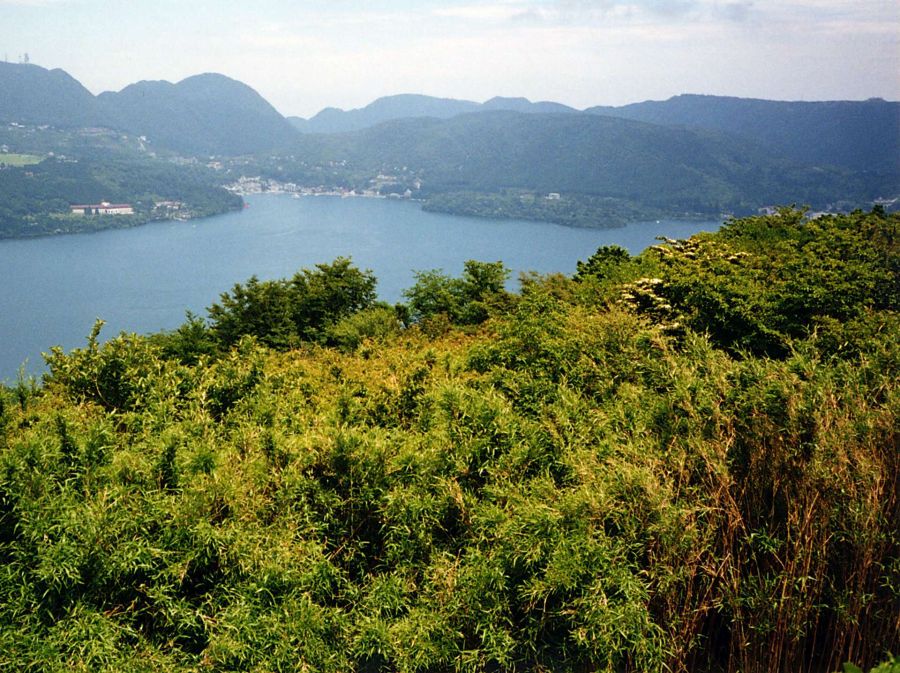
(144, 279)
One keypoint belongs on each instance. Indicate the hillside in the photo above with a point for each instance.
(89, 166)
(678, 170)
(35, 199)
(34, 95)
(681, 461)
(857, 135)
(205, 114)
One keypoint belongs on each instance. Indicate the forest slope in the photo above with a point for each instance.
(857, 135)
(653, 166)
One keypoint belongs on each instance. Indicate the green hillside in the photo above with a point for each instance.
(642, 166)
(681, 461)
(691, 156)
(857, 135)
(34, 95)
(200, 115)
(35, 199)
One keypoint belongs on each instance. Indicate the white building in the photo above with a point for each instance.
(102, 208)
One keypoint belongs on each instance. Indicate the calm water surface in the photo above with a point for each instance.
(144, 279)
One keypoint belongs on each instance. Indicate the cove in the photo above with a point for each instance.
(144, 279)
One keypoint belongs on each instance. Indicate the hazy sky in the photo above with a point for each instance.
(305, 55)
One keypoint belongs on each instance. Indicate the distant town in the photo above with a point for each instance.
(244, 186)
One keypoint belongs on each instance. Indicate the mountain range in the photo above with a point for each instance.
(387, 108)
(204, 114)
(680, 168)
(859, 135)
(710, 151)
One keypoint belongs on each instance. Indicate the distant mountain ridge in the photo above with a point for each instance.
(690, 152)
(859, 135)
(203, 114)
(598, 155)
(402, 106)
(213, 114)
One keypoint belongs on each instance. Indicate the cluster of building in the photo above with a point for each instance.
(380, 187)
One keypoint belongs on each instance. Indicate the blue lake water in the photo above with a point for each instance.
(144, 279)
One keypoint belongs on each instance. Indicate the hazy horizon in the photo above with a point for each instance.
(578, 52)
(419, 93)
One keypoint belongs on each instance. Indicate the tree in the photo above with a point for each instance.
(322, 296)
(282, 313)
(258, 308)
(192, 340)
(466, 300)
(602, 262)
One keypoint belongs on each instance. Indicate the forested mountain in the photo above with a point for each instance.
(691, 155)
(204, 114)
(675, 168)
(858, 135)
(682, 461)
(30, 94)
(335, 120)
(213, 114)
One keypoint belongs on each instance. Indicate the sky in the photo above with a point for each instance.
(306, 55)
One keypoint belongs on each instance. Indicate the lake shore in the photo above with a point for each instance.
(143, 279)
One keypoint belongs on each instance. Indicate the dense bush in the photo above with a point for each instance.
(463, 301)
(575, 485)
(282, 313)
(763, 281)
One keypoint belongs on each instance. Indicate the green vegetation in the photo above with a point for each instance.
(35, 199)
(460, 301)
(608, 170)
(285, 313)
(573, 210)
(8, 160)
(858, 135)
(202, 115)
(688, 157)
(685, 460)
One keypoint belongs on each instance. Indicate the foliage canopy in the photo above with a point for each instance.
(598, 477)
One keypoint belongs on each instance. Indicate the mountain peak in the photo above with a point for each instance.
(35, 95)
(505, 102)
(208, 113)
